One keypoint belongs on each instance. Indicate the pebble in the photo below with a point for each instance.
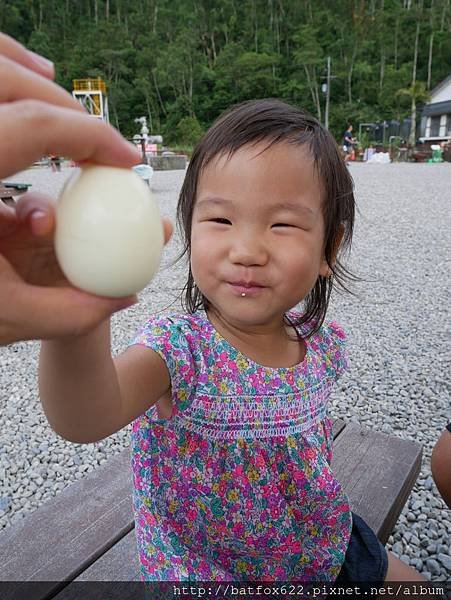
(397, 343)
(445, 559)
(433, 566)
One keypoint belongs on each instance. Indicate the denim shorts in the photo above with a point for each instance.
(366, 559)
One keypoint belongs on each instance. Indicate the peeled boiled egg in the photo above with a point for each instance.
(109, 235)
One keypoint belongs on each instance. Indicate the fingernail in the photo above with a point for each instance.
(38, 214)
(41, 61)
(40, 222)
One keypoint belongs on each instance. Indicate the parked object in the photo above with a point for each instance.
(437, 154)
(145, 172)
(8, 190)
(379, 158)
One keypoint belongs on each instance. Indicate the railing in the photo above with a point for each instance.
(89, 85)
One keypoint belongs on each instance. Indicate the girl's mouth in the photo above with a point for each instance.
(251, 288)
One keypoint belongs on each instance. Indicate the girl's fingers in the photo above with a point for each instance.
(18, 83)
(16, 52)
(50, 129)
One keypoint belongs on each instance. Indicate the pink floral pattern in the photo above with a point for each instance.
(237, 484)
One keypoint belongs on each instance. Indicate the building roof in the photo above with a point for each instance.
(437, 108)
(441, 85)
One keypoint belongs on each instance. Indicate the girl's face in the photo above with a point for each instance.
(258, 230)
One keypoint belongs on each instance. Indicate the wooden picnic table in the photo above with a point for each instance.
(9, 190)
(86, 533)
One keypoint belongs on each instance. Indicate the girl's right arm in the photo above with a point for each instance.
(87, 395)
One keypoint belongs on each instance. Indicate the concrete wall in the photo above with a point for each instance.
(173, 162)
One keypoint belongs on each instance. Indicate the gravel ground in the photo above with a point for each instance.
(398, 344)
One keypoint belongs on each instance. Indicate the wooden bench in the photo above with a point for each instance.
(86, 532)
(9, 190)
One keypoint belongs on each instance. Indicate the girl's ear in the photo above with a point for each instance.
(325, 269)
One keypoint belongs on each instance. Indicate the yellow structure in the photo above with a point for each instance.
(91, 93)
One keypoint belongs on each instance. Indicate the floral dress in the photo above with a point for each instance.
(236, 485)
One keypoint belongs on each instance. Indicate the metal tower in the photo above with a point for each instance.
(91, 93)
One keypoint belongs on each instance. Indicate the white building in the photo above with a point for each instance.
(436, 115)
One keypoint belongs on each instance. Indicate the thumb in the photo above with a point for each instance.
(8, 219)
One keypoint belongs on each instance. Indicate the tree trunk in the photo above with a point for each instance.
(316, 88)
(107, 10)
(415, 53)
(158, 93)
(149, 113)
(191, 86)
(213, 46)
(155, 15)
(396, 42)
(431, 43)
(113, 106)
(382, 71)
(413, 123)
(254, 14)
(445, 8)
(315, 96)
(96, 12)
(351, 68)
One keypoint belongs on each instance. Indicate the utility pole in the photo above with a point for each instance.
(325, 88)
(326, 116)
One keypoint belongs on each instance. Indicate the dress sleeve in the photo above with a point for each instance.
(334, 347)
(169, 338)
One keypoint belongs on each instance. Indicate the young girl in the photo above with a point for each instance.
(231, 441)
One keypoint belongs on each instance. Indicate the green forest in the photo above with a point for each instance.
(180, 63)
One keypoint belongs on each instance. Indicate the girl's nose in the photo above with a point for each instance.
(248, 251)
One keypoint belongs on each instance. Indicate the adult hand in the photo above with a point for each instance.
(36, 300)
(37, 117)
(35, 296)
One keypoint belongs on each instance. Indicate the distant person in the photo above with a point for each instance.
(348, 143)
(231, 440)
(39, 118)
(441, 464)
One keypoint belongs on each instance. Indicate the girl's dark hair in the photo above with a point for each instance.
(275, 121)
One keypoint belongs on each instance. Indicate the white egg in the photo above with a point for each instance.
(109, 235)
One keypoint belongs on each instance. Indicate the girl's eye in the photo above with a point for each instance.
(283, 225)
(222, 221)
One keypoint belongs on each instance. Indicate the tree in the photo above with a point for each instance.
(417, 92)
(195, 58)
